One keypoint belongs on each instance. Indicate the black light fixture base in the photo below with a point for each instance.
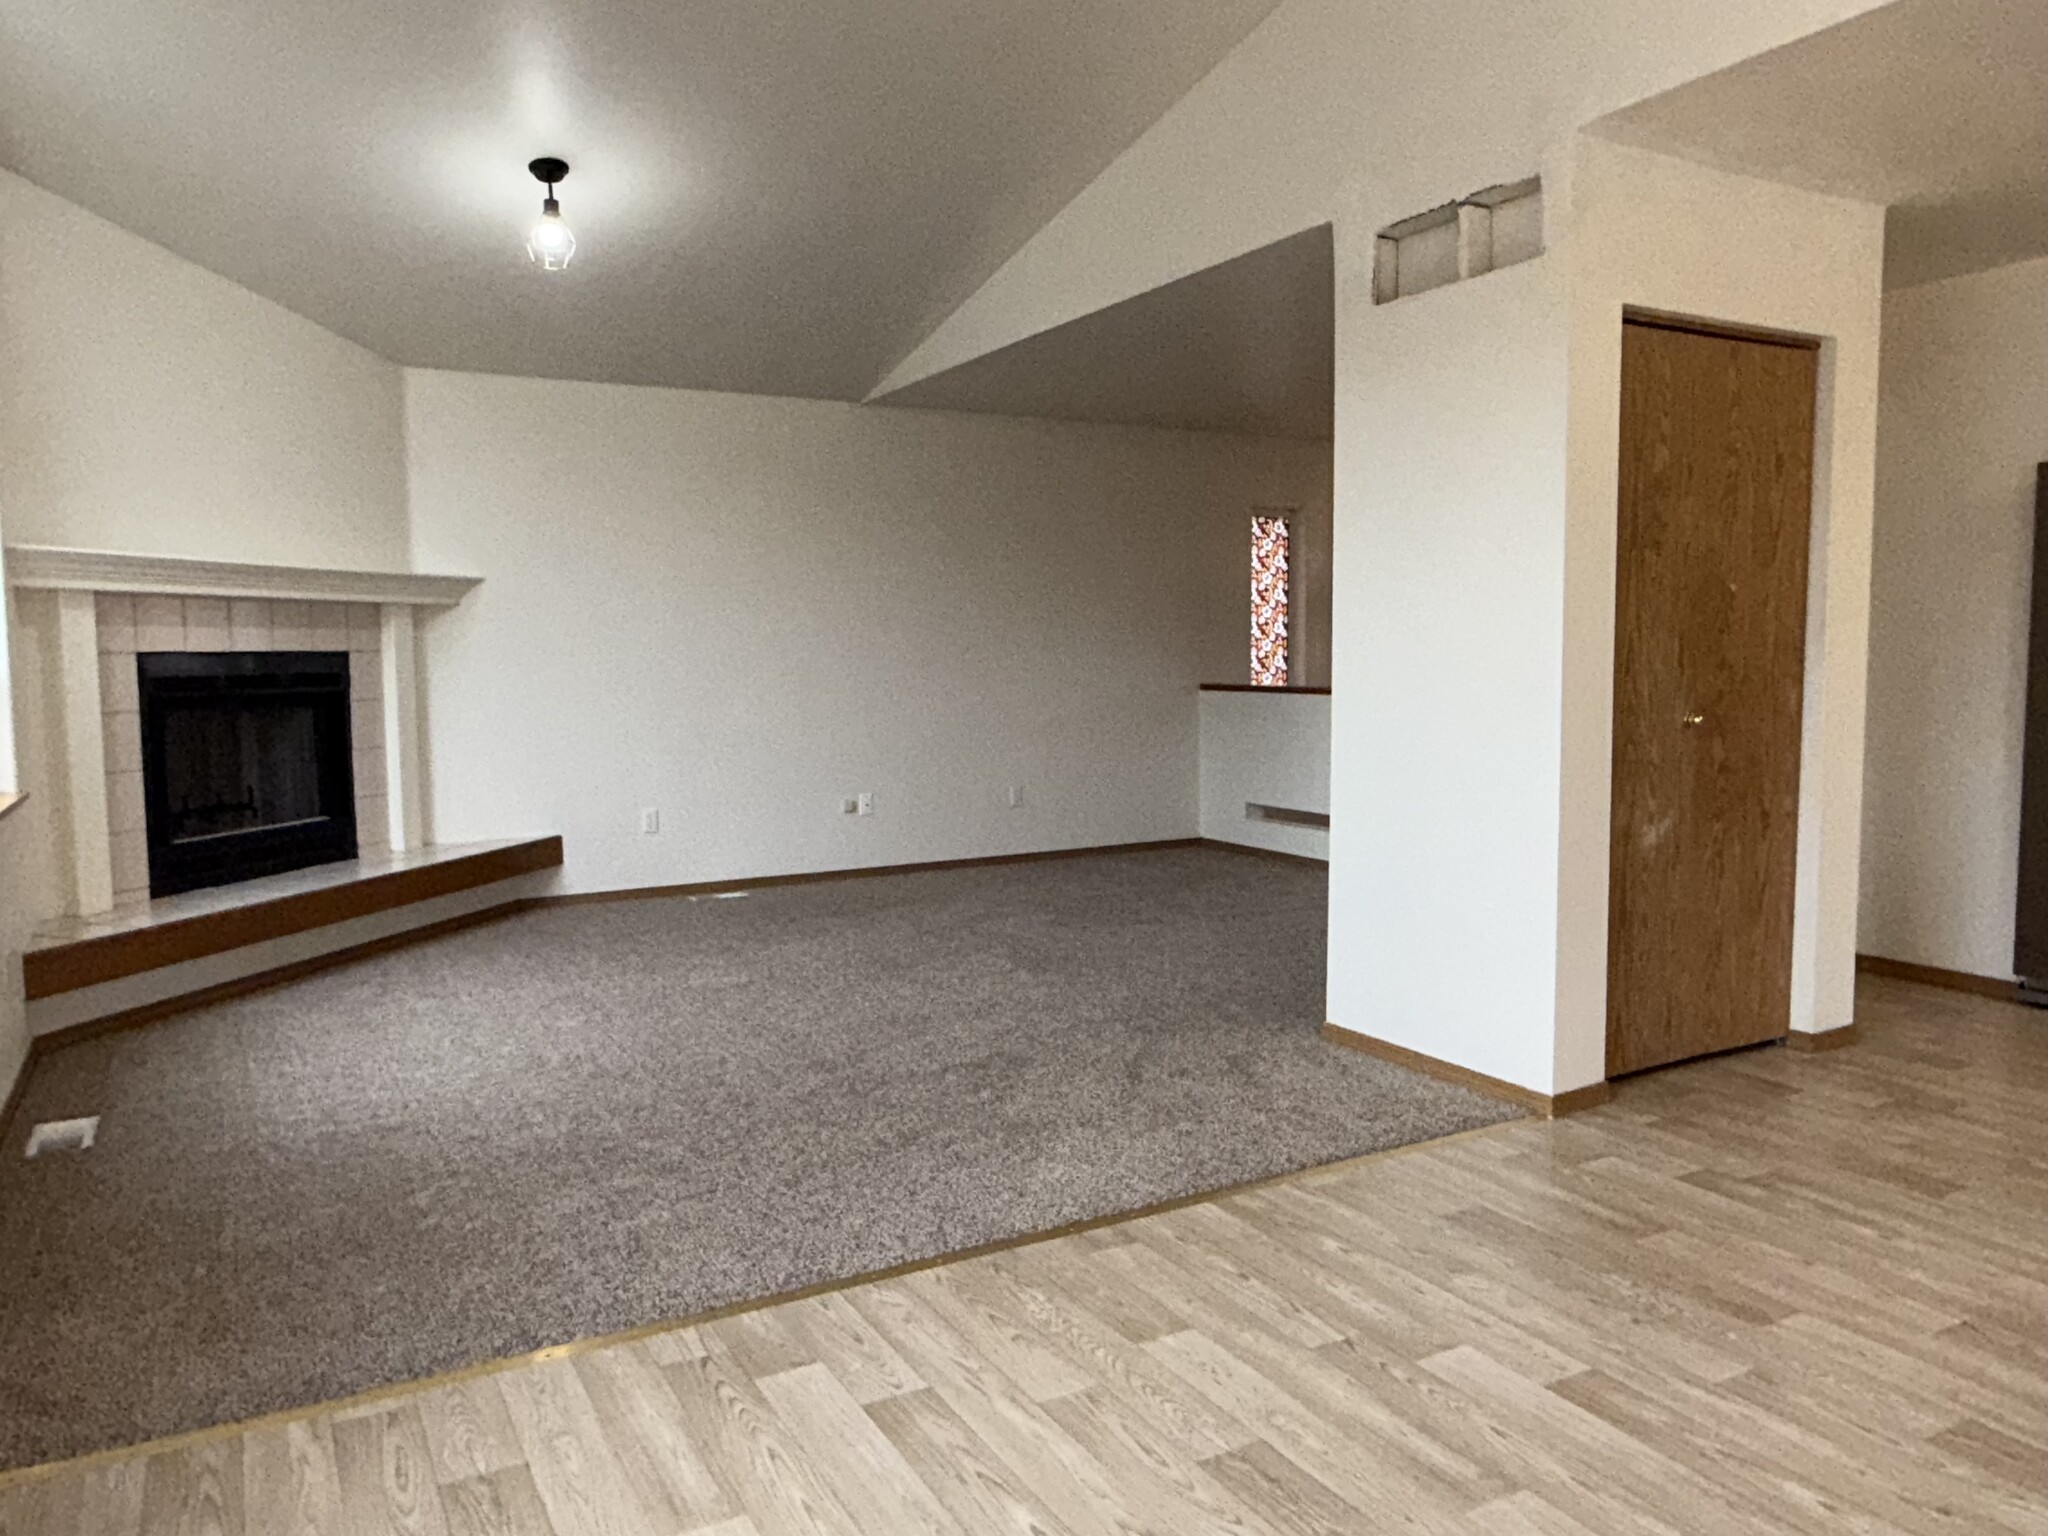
(548, 169)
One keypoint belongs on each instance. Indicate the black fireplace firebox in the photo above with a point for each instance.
(246, 764)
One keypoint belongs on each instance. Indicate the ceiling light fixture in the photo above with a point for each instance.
(551, 244)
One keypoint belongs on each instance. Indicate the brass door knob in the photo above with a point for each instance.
(1695, 719)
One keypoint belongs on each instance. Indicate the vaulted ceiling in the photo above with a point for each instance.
(773, 196)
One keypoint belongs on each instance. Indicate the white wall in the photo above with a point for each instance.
(1268, 748)
(1664, 234)
(738, 610)
(1963, 421)
(150, 406)
(1444, 725)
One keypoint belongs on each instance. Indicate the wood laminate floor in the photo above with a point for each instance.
(1770, 1292)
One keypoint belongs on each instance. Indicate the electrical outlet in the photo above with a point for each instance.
(866, 803)
(1016, 796)
(650, 821)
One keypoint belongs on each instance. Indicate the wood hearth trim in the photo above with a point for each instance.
(109, 957)
(264, 980)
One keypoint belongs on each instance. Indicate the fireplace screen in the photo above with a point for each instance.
(229, 769)
(246, 765)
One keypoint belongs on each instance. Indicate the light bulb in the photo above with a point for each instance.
(551, 244)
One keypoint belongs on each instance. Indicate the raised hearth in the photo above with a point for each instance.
(82, 969)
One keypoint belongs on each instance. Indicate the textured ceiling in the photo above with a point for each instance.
(775, 196)
(1938, 108)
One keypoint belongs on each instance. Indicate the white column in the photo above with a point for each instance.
(402, 727)
(85, 754)
(1448, 627)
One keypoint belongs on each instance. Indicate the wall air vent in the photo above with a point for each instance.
(1491, 229)
(1285, 816)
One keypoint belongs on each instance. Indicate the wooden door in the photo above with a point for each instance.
(1710, 641)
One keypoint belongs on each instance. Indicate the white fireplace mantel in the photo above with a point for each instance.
(46, 567)
(83, 581)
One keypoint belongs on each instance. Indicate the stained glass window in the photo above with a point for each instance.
(1269, 602)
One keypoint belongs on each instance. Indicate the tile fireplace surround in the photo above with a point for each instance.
(109, 607)
(128, 623)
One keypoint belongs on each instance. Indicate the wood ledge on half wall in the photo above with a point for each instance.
(1322, 693)
(10, 800)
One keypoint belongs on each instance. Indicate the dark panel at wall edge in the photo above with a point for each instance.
(2030, 920)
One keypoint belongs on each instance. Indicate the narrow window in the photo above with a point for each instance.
(1269, 602)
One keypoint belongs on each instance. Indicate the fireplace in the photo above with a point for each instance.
(246, 764)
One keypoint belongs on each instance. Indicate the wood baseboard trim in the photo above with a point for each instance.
(1937, 976)
(864, 872)
(264, 981)
(1810, 1041)
(110, 957)
(1575, 1101)
(1550, 1106)
(1264, 853)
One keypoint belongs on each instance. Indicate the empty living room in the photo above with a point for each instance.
(1257, 766)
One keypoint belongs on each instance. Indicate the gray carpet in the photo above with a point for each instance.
(586, 1118)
